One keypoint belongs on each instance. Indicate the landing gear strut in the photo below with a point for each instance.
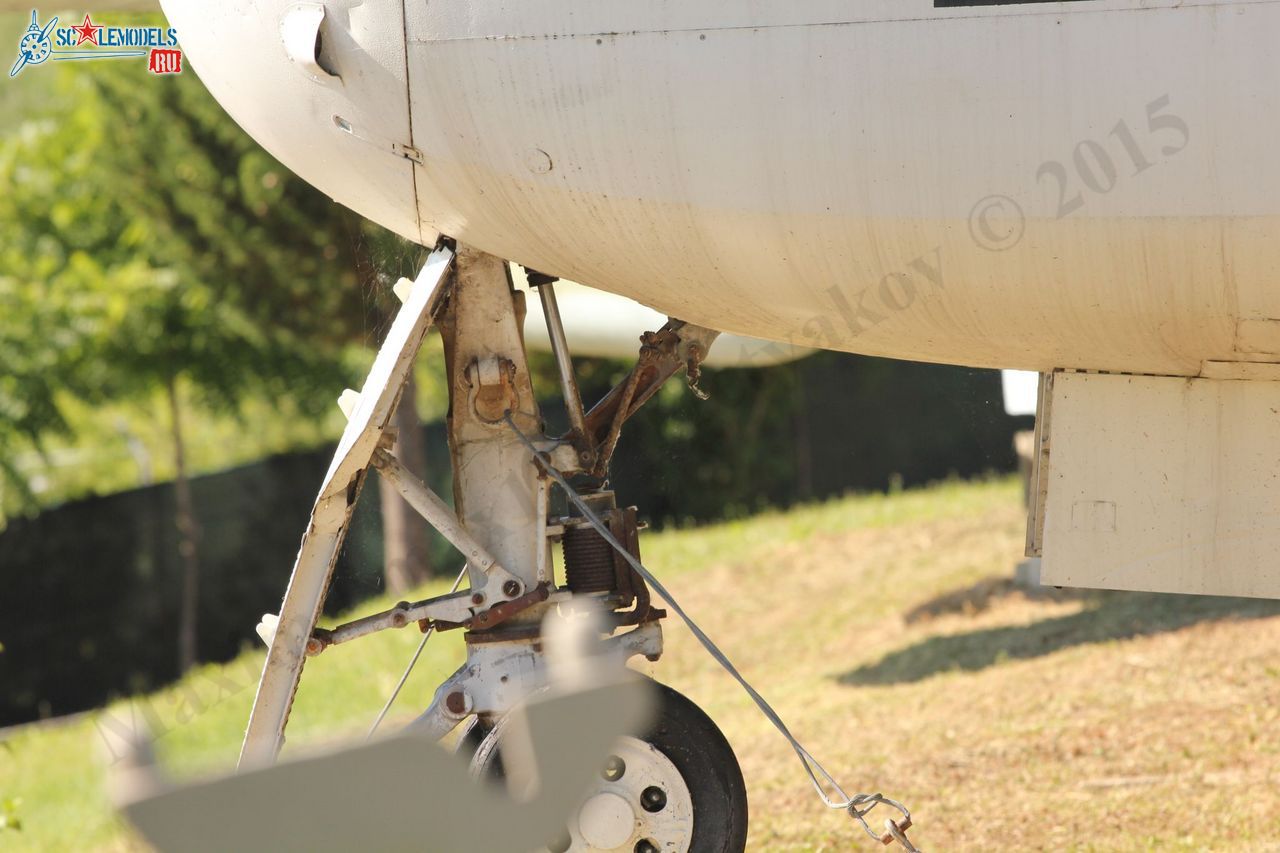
(676, 788)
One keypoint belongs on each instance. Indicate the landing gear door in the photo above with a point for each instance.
(1162, 484)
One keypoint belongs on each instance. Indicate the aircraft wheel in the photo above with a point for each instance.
(676, 789)
(471, 738)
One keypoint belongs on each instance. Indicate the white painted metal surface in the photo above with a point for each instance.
(346, 134)
(498, 494)
(332, 511)
(1045, 185)
(1164, 484)
(605, 325)
(614, 817)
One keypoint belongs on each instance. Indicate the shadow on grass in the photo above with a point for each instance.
(1107, 616)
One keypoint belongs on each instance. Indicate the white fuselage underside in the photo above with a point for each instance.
(1086, 184)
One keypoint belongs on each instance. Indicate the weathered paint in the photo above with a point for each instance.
(882, 177)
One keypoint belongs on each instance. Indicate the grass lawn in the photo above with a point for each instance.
(886, 632)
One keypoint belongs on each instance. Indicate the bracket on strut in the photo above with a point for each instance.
(465, 608)
(426, 614)
(676, 346)
(491, 388)
(594, 435)
(497, 614)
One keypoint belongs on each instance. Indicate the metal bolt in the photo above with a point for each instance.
(653, 799)
(644, 845)
(511, 589)
(478, 598)
(456, 702)
(614, 768)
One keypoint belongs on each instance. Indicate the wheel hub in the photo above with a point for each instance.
(606, 821)
(640, 803)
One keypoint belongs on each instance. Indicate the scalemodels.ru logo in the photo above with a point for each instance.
(41, 43)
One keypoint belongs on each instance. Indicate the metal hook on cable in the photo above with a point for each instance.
(895, 830)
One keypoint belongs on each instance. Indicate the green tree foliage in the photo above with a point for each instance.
(153, 245)
(146, 239)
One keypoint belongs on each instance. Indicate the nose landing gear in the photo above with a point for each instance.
(675, 788)
(678, 786)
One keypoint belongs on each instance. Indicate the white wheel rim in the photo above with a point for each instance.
(605, 812)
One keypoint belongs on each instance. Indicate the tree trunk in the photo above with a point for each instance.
(188, 536)
(406, 558)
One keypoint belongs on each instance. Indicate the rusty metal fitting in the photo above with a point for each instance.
(493, 392)
(499, 613)
(457, 703)
(317, 642)
(895, 831)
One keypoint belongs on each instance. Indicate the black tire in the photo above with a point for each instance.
(692, 742)
(472, 736)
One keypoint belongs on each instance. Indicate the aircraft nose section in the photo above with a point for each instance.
(323, 88)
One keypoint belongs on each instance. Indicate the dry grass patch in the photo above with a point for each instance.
(910, 663)
(886, 631)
